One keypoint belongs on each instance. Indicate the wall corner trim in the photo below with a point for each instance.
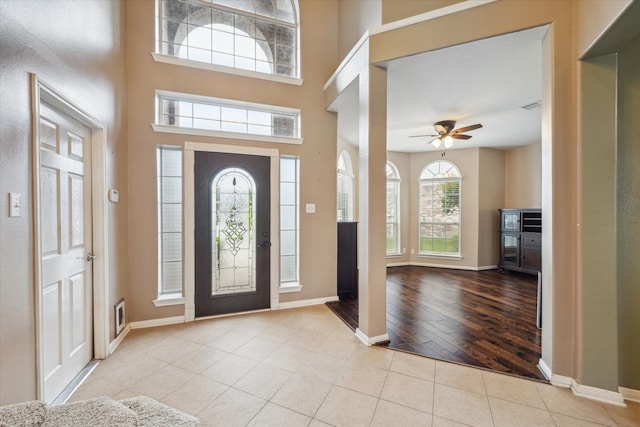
(369, 341)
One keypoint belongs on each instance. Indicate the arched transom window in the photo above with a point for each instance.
(439, 209)
(393, 210)
(253, 35)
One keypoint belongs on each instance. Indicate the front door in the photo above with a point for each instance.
(64, 195)
(232, 241)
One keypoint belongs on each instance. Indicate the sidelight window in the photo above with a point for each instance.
(169, 171)
(439, 209)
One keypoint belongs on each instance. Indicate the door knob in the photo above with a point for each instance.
(265, 245)
(90, 256)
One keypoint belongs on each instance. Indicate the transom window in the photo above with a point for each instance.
(393, 210)
(439, 209)
(345, 188)
(223, 115)
(253, 35)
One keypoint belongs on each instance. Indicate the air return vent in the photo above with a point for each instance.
(533, 106)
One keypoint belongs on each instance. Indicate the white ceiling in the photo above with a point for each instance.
(486, 81)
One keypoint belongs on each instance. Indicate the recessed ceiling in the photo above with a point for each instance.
(486, 81)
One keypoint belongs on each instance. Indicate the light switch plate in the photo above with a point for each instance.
(114, 195)
(311, 208)
(15, 205)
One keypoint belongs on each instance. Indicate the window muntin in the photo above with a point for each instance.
(345, 188)
(223, 115)
(254, 35)
(439, 209)
(169, 176)
(289, 220)
(393, 210)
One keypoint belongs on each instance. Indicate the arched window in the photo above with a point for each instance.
(393, 210)
(439, 209)
(254, 35)
(345, 188)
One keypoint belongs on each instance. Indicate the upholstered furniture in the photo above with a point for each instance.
(100, 411)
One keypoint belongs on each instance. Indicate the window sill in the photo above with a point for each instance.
(394, 255)
(456, 257)
(230, 135)
(167, 59)
(167, 300)
(290, 287)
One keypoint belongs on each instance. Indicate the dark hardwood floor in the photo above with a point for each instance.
(485, 319)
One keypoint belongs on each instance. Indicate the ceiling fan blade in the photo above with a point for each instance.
(458, 136)
(422, 136)
(466, 129)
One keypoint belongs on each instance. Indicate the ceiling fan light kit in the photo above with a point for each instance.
(447, 133)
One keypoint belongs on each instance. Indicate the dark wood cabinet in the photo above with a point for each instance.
(520, 240)
(347, 259)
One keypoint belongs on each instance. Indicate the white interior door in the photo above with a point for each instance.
(65, 244)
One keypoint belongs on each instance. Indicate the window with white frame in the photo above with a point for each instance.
(169, 171)
(253, 35)
(227, 117)
(393, 210)
(345, 188)
(289, 221)
(439, 209)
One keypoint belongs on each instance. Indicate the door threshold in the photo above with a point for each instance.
(240, 313)
(75, 383)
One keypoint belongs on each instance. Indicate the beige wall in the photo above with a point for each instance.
(355, 18)
(628, 206)
(393, 10)
(78, 49)
(593, 18)
(491, 195)
(317, 154)
(523, 177)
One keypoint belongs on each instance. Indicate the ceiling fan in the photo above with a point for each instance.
(447, 133)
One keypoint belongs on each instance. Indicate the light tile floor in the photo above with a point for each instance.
(304, 367)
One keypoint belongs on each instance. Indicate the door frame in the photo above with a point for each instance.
(189, 150)
(40, 91)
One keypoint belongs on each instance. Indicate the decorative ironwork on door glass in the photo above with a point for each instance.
(233, 196)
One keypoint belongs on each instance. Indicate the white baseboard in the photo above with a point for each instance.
(116, 342)
(630, 394)
(544, 368)
(398, 264)
(156, 322)
(598, 394)
(449, 266)
(306, 302)
(588, 392)
(371, 340)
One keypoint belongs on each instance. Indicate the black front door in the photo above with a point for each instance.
(232, 241)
